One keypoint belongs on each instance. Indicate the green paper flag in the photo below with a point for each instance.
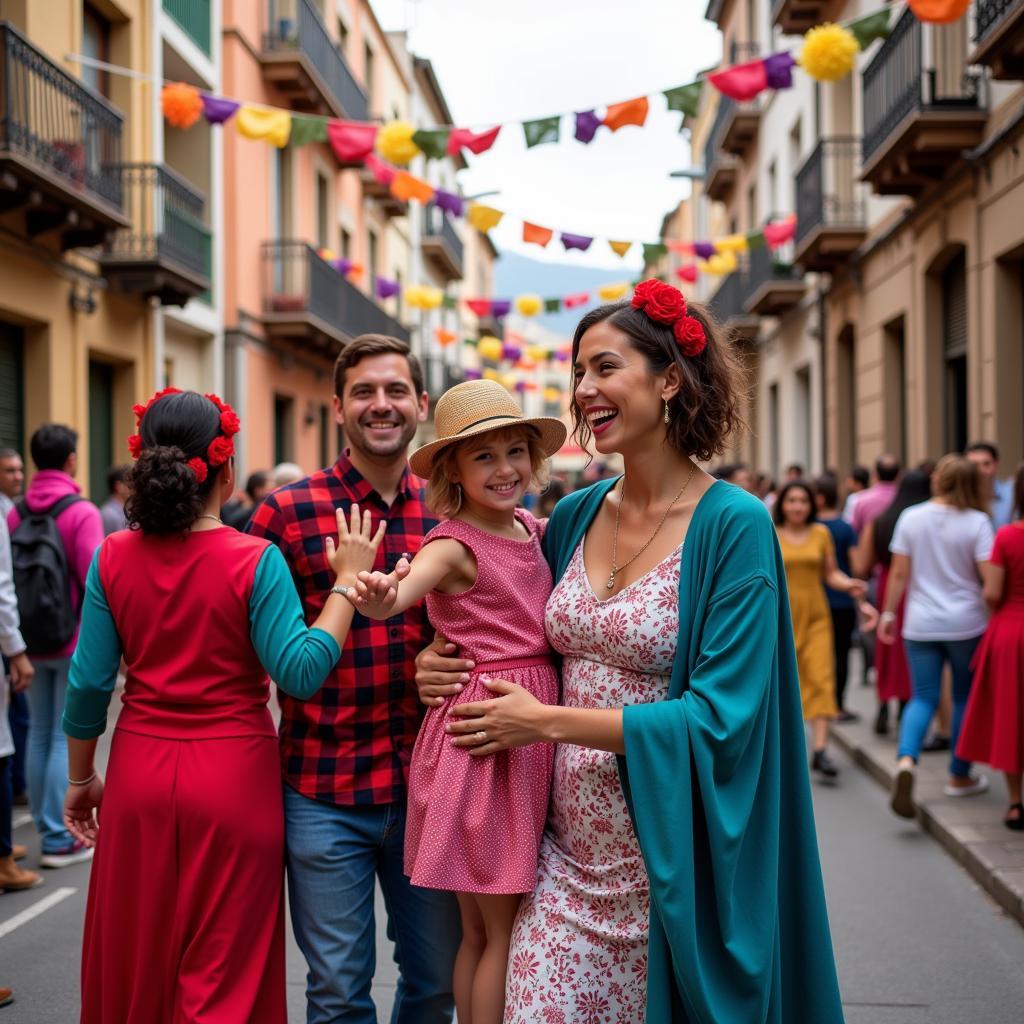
(434, 143)
(448, 302)
(552, 305)
(653, 251)
(472, 342)
(544, 130)
(684, 98)
(755, 240)
(874, 26)
(306, 130)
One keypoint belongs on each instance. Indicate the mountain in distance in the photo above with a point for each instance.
(515, 275)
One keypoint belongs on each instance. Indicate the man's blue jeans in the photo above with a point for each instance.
(926, 659)
(334, 855)
(47, 762)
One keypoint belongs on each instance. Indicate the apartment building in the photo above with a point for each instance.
(896, 320)
(107, 218)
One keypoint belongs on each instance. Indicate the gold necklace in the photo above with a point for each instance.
(616, 569)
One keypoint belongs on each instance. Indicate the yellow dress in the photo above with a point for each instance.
(812, 623)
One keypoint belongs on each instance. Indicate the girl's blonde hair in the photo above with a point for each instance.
(444, 496)
(956, 479)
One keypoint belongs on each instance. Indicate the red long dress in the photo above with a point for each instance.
(993, 729)
(892, 673)
(185, 917)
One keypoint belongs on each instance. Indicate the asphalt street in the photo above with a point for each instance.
(917, 942)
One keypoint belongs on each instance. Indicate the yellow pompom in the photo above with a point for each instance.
(414, 296)
(538, 353)
(829, 52)
(490, 348)
(552, 395)
(431, 298)
(529, 305)
(490, 374)
(394, 143)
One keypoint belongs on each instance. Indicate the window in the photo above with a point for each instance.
(12, 387)
(368, 74)
(284, 428)
(346, 244)
(95, 44)
(801, 451)
(895, 385)
(325, 436)
(342, 37)
(371, 259)
(954, 325)
(101, 427)
(323, 239)
(846, 388)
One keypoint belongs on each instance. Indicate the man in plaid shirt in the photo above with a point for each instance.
(345, 752)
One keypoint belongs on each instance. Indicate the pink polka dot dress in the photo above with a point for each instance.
(474, 823)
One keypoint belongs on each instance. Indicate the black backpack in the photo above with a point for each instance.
(48, 618)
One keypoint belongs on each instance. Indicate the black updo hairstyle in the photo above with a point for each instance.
(166, 495)
(706, 412)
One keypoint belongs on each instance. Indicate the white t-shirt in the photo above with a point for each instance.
(944, 545)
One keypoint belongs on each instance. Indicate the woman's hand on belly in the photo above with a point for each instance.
(514, 719)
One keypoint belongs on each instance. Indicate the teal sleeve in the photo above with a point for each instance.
(297, 658)
(94, 666)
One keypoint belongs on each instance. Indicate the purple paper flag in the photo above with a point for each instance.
(705, 250)
(342, 265)
(778, 69)
(449, 202)
(587, 123)
(520, 386)
(470, 374)
(580, 242)
(562, 356)
(386, 288)
(500, 307)
(513, 353)
(216, 109)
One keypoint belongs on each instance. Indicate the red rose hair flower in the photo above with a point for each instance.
(221, 449)
(667, 305)
(229, 422)
(135, 445)
(199, 468)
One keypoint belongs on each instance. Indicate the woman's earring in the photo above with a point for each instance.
(668, 419)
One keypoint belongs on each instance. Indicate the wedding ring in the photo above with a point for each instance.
(481, 736)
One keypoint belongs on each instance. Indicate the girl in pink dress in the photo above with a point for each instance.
(474, 824)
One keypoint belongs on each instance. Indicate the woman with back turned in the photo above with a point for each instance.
(185, 919)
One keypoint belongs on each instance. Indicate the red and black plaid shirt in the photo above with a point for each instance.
(350, 743)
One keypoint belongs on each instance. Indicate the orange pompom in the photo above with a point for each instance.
(181, 103)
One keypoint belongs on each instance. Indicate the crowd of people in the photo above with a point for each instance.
(612, 675)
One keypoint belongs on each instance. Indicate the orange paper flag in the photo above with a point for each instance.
(619, 115)
(444, 338)
(620, 248)
(536, 234)
(405, 187)
(939, 12)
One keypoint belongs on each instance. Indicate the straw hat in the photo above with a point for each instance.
(475, 407)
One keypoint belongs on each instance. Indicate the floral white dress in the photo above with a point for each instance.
(579, 945)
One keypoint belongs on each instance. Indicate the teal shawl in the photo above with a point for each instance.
(715, 778)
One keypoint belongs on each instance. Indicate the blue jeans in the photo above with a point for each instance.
(47, 762)
(333, 856)
(926, 659)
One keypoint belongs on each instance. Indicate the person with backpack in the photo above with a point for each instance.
(54, 533)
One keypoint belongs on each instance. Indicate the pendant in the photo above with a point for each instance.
(611, 580)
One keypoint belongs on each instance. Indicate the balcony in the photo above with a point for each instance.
(60, 144)
(999, 37)
(795, 17)
(441, 243)
(830, 207)
(727, 306)
(772, 285)
(193, 18)
(165, 254)
(720, 168)
(304, 63)
(306, 299)
(381, 193)
(922, 107)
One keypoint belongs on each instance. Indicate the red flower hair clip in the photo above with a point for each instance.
(667, 305)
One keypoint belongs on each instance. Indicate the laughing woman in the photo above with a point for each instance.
(678, 868)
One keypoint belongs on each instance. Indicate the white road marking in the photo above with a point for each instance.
(21, 818)
(40, 907)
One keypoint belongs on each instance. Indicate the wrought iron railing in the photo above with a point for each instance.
(296, 25)
(766, 265)
(899, 80)
(988, 14)
(713, 147)
(727, 301)
(297, 280)
(167, 220)
(437, 225)
(56, 121)
(827, 189)
(193, 16)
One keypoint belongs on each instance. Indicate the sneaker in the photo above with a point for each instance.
(824, 765)
(76, 853)
(979, 783)
(902, 800)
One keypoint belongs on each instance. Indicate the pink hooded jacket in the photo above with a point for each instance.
(80, 526)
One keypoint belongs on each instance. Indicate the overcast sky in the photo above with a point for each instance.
(524, 59)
